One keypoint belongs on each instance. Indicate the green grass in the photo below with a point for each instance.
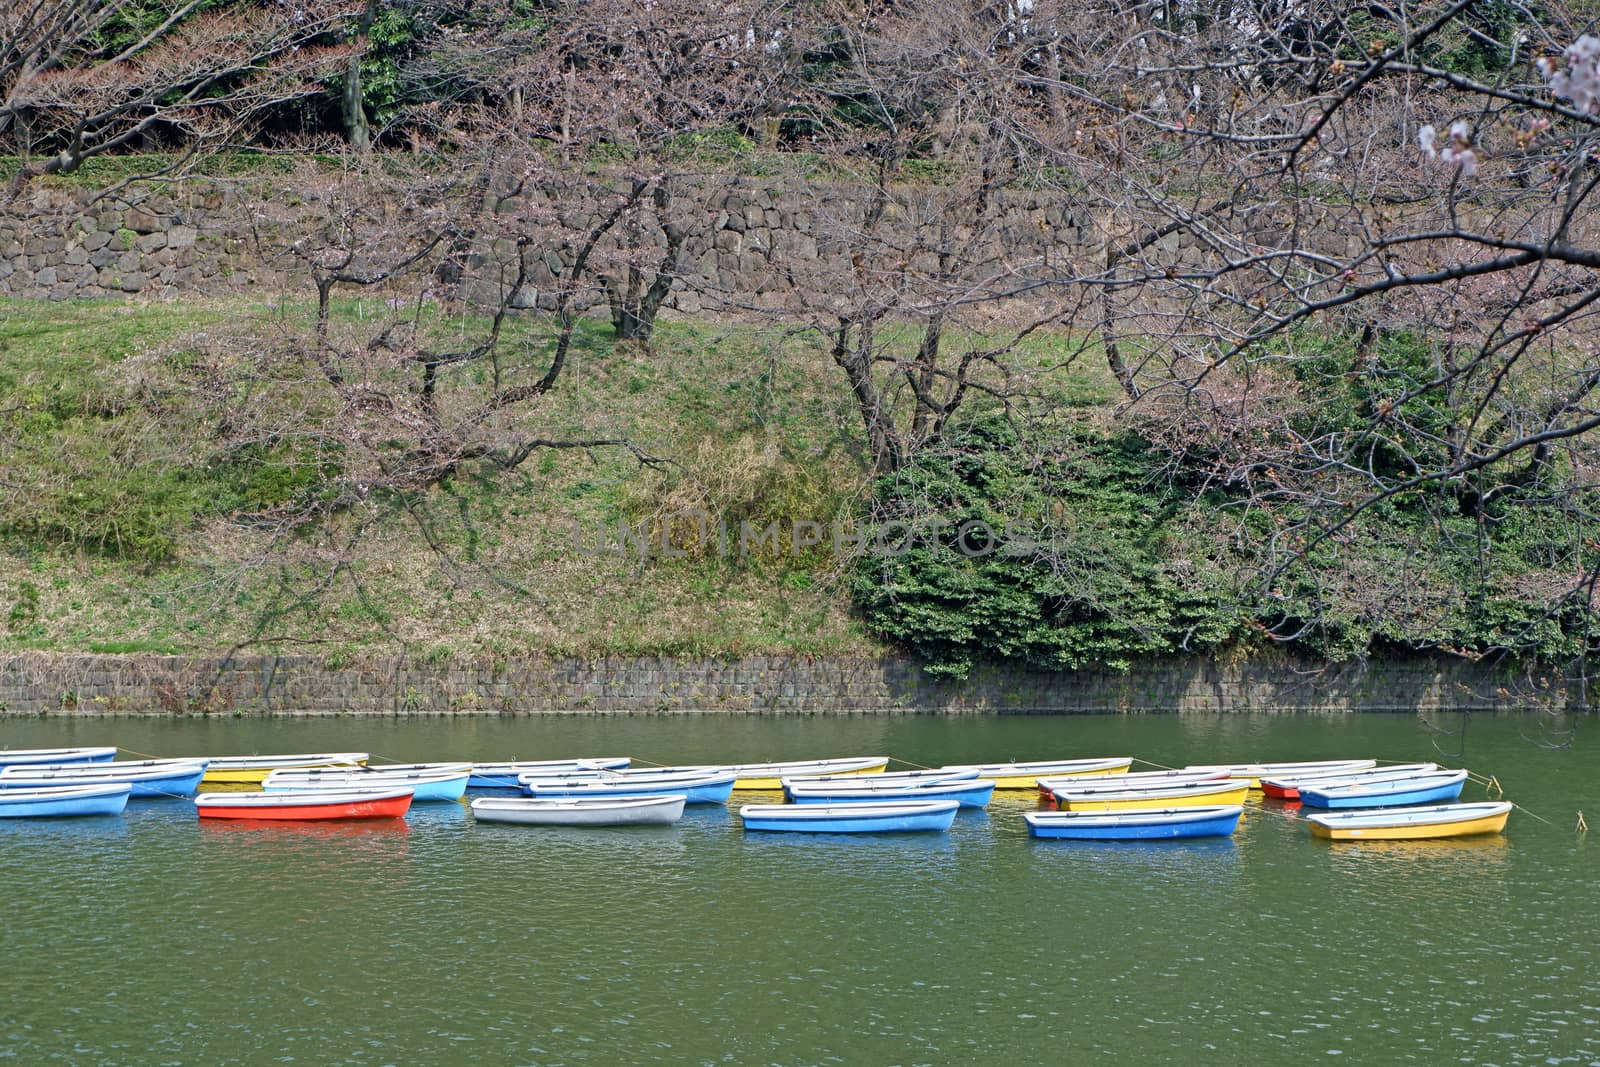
(129, 537)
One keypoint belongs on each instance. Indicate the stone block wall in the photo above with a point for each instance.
(37, 683)
(748, 238)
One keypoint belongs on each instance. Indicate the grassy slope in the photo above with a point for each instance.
(758, 421)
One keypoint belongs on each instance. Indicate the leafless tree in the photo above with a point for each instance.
(197, 79)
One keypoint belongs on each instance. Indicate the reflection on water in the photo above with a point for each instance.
(327, 830)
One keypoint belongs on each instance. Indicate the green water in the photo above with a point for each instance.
(151, 939)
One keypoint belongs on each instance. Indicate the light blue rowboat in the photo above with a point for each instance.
(696, 788)
(148, 778)
(425, 786)
(18, 757)
(504, 775)
(969, 793)
(851, 781)
(875, 817)
(57, 801)
(1209, 820)
(1435, 787)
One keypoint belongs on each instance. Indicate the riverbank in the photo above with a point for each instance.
(93, 685)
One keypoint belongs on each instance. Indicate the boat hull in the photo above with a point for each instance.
(1229, 792)
(934, 816)
(503, 775)
(974, 794)
(1218, 820)
(709, 789)
(22, 757)
(1411, 824)
(176, 780)
(1288, 787)
(1424, 789)
(300, 807)
(64, 801)
(427, 788)
(581, 811)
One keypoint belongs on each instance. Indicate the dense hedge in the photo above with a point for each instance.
(1084, 548)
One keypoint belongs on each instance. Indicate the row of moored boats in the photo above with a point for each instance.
(1090, 799)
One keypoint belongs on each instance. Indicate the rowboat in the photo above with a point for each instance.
(1178, 794)
(1257, 771)
(312, 804)
(924, 777)
(697, 788)
(1135, 780)
(64, 800)
(425, 786)
(891, 816)
(253, 770)
(1288, 788)
(973, 793)
(1411, 824)
(658, 810)
(1027, 775)
(1212, 820)
(1431, 787)
(770, 776)
(17, 757)
(148, 778)
(504, 775)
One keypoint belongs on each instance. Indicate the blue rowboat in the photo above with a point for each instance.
(56, 801)
(1288, 787)
(971, 793)
(504, 775)
(148, 778)
(1211, 820)
(425, 786)
(1435, 787)
(18, 757)
(696, 788)
(877, 817)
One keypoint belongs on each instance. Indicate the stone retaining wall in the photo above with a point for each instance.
(214, 238)
(36, 683)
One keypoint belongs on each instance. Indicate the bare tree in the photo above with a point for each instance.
(195, 79)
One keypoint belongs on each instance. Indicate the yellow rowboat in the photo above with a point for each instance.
(1411, 824)
(1027, 775)
(769, 776)
(243, 770)
(1257, 771)
(1187, 794)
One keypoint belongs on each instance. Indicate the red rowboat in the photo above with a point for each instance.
(318, 804)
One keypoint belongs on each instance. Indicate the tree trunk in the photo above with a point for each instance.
(357, 131)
